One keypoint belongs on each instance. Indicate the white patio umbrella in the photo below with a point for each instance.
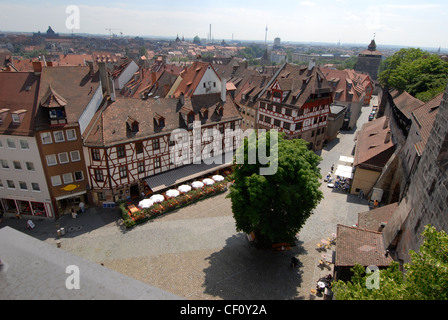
(172, 193)
(208, 181)
(145, 203)
(184, 188)
(197, 184)
(157, 198)
(218, 178)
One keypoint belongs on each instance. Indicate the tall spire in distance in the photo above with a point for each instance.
(266, 36)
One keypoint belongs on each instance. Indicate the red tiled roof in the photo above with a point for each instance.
(191, 78)
(144, 112)
(360, 246)
(372, 149)
(18, 91)
(370, 220)
(424, 117)
(405, 102)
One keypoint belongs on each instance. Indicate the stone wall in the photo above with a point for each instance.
(428, 189)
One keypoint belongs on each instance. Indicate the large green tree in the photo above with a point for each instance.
(275, 206)
(420, 73)
(425, 276)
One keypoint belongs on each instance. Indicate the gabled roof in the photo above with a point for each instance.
(108, 126)
(341, 80)
(72, 85)
(52, 99)
(18, 92)
(372, 148)
(300, 79)
(192, 77)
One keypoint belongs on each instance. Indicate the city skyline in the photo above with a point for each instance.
(410, 23)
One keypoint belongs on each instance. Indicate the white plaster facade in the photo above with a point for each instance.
(23, 181)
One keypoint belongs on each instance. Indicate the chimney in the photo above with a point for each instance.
(387, 139)
(104, 77)
(223, 90)
(37, 67)
(181, 99)
(91, 68)
(386, 123)
(311, 64)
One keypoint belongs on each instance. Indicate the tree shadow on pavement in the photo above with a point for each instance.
(240, 271)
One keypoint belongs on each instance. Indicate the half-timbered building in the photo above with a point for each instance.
(138, 146)
(297, 102)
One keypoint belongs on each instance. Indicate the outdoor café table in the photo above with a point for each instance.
(321, 284)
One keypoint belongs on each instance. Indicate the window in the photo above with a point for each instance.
(79, 176)
(11, 144)
(155, 144)
(63, 157)
(288, 111)
(46, 137)
(101, 196)
(99, 175)
(96, 154)
(35, 186)
(17, 165)
(56, 181)
(1, 144)
(286, 125)
(139, 147)
(74, 155)
(59, 136)
(191, 118)
(68, 178)
(24, 144)
(1, 183)
(10, 184)
(15, 118)
(23, 186)
(299, 125)
(71, 134)
(123, 172)
(278, 109)
(270, 107)
(277, 122)
(141, 166)
(267, 119)
(157, 163)
(51, 160)
(312, 133)
(4, 164)
(121, 151)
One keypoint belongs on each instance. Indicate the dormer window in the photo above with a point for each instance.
(159, 121)
(190, 118)
(132, 125)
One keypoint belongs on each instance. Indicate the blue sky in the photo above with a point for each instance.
(406, 23)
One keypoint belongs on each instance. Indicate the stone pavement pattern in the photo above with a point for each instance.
(197, 253)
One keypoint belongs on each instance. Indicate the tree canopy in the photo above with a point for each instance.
(275, 207)
(420, 73)
(425, 277)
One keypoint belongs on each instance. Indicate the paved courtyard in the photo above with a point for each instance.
(196, 252)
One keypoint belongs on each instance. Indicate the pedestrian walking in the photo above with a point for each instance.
(332, 168)
(82, 206)
(294, 262)
(73, 213)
